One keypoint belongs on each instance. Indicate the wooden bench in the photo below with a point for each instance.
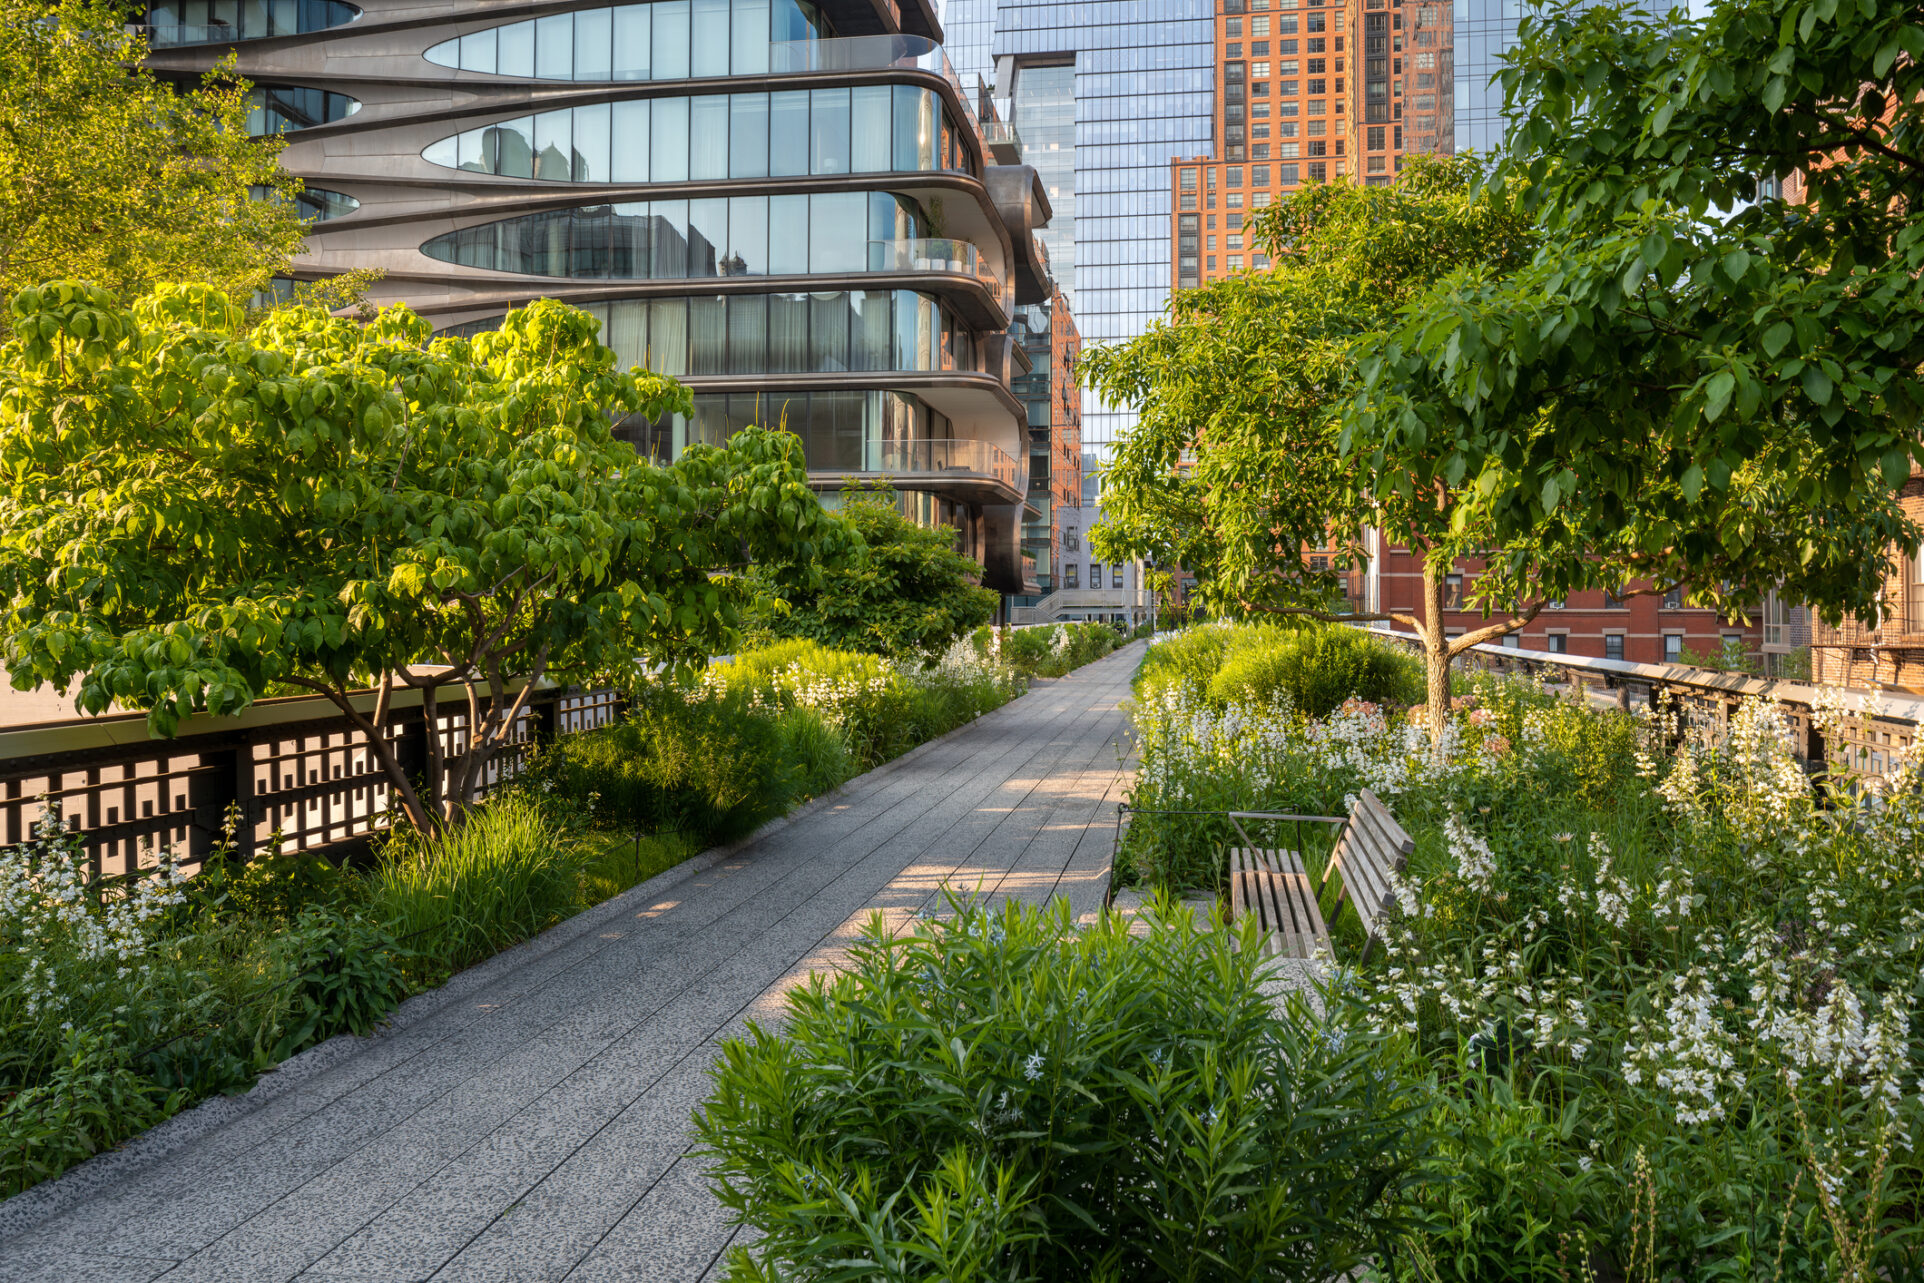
(1273, 886)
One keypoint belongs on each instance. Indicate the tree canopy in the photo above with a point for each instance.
(111, 175)
(1238, 468)
(901, 588)
(1733, 395)
(189, 518)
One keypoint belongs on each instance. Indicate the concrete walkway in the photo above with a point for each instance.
(531, 1120)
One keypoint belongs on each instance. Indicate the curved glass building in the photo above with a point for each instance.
(789, 206)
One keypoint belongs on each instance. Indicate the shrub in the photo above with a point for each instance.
(1316, 669)
(90, 1102)
(1003, 1096)
(347, 976)
(1047, 652)
(497, 877)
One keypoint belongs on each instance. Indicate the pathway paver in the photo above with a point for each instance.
(535, 1124)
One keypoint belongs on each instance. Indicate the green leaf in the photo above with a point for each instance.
(1776, 338)
(1717, 394)
(1693, 482)
(1817, 385)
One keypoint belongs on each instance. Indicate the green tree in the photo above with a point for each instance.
(191, 518)
(1713, 389)
(902, 589)
(111, 175)
(1239, 468)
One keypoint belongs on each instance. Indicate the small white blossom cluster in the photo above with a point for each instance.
(1475, 863)
(56, 924)
(1686, 1051)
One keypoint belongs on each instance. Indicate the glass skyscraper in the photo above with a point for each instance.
(1103, 94)
(1485, 30)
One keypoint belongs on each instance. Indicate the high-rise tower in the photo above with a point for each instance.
(790, 206)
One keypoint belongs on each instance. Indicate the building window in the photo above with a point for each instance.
(1613, 645)
(1095, 574)
(1672, 647)
(1259, 175)
(1115, 575)
(1453, 592)
(1559, 643)
(1613, 602)
(1673, 600)
(1511, 641)
(1070, 574)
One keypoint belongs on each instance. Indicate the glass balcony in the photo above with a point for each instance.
(957, 458)
(927, 255)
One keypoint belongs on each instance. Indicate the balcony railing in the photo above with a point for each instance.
(929, 255)
(959, 458)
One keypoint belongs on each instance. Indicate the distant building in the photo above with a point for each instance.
(792, 207)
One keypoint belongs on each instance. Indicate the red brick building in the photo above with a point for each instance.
(1891, 651)
(1648, 629)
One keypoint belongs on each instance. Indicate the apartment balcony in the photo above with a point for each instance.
(1005, 144)
(962, 468)
(949, 257)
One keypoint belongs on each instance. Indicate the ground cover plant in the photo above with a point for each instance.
(1000, 1096)
(1661, 994)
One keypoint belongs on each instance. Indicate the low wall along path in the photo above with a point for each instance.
(530, 1121)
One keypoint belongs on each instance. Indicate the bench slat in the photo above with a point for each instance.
(1272, 886)
(1372, 849)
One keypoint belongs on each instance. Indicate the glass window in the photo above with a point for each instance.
(554, 47)
(628, 142)
(510, 146)
(707, 336)
(1672, 647)
(633, 39)
(787, 235)
(829, 131)
(905, 127)
(709, 38)
(749, 39)
(478, 50)
(515, 53)
(594, 47)
(668, 138)
(1613, 645)
(787, 333)
(668, 238)
(708, 136)
(748, 136)
(707, 236)
(591, 144)
(788, 133)
(1115, 575)
(870, 150)
(554, 146)
(671, 39)
(828, 332)
(835, 238)
(870, 326)
(747, 333)
(747, 236)
(1559, 643)
(667, 336)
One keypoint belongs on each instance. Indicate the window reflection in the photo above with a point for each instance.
(665, 40)
(719, 236)
(757, 135)
(276, 109)
(818, 333)
(193, 22)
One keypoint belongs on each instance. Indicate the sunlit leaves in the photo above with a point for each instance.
(326, 502)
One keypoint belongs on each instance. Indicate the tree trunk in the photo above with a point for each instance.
(1436, 652)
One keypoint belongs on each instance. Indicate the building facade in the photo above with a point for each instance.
(1098, 96)
(791, 207)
